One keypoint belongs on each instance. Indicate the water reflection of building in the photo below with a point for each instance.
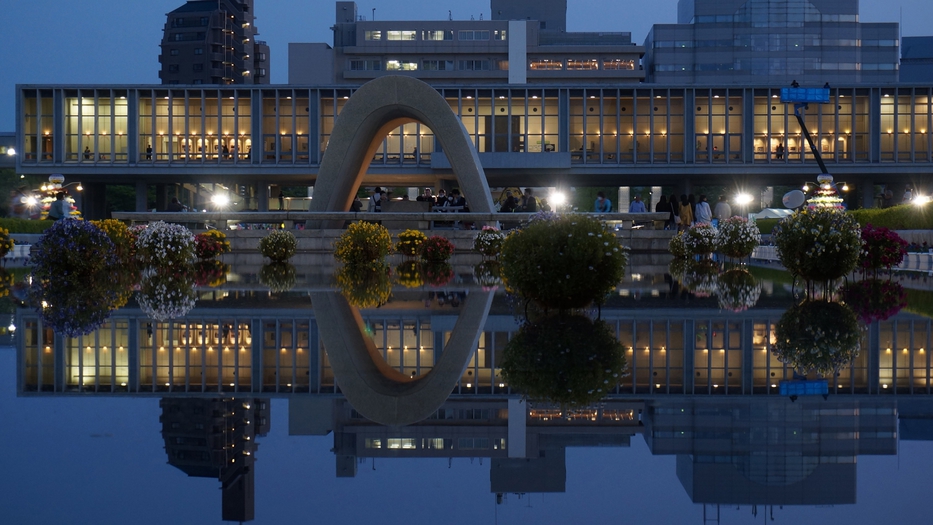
(697, 351)
(216, 438)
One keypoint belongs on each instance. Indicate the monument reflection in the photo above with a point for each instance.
(703, 386)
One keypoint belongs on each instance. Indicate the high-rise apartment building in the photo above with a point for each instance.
(772, 42)
(213, 42)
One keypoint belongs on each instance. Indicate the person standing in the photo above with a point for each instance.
(426, 197)
(149, 152)
(602, 204)
(703, 215)
(637, 206)
(510, 204)
(686, 212)
(281, 200)
(908, 195)
(722, 211)
(375, 201)
(87, 153)
(663, 206)
(780, 151)
(674, 222)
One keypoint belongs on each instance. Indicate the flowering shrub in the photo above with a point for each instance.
(365, 286)
(437, 274)
(437, 249)
(488, 241)
(123, 237)
(73, 288)
(6, 243)
(278, 276)
(409, 243)
(567, 360)
(165, 244)
(279, 245)
(819, 245)
(166, 293)
(488, 274)
(701, 239)
(817, 336)
(738, 290)
(6, 282)
(210, 244)
(881, 248)
(210, 273)
(564, 263)
(678, 247)
(738, 237)
(364, 243)
(408, 274)
(874, 299)
(545, 216)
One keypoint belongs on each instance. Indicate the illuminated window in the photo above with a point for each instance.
(437, 35)
(373, 35)
(400, 35)
(396, 65)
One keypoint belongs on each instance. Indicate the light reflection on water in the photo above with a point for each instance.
(699, 395)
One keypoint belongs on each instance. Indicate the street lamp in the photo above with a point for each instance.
(744, 199)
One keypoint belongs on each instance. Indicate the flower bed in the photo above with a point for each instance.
(881, 249)
(564, 263)
(364, 243)
(279, 245)
(409, 243)
(210, 244)
(738, 237)
(820, 245)
(488, 241)
(165, 244)
(701, 239)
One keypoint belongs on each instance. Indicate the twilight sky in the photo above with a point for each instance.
(117, 42)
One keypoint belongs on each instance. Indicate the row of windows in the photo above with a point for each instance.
(173, 68)
(542, 64)
(756, 18)
(478, 443)
(188, 37)
(195, 51)
(774, 42)
(775, 66)
(435, 35)
(190, 22)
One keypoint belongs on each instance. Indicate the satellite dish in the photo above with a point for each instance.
(794, 199)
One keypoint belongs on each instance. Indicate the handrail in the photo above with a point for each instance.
(279, 216)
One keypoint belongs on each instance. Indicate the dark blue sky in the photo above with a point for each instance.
(116, 41)
(101, 460)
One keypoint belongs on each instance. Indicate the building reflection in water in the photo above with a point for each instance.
(703, 386)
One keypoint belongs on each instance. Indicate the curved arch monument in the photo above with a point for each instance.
(375, 109)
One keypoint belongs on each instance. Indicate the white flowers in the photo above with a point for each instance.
(162, 243)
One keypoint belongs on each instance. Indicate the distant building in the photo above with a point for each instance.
(7, 149)
(213, 42)
(917, 59)
(525, 42)
(771, 42)
(216, 438)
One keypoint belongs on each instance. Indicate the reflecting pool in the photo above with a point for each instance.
(275, 398)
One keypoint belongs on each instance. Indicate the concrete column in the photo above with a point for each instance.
(132, 357)
(748, 331)
(162, 197)
(655, 198)
(874, 130)
(624, 199)
(141, 196)
(874, 358)
(262, 195)
(256, 353)
(690, 138)
(867, 187)
(689, 357)
(517, 436)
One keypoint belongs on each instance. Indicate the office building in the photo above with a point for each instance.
(213, 42)
(917, 59)
(771, 42)
(525, 42)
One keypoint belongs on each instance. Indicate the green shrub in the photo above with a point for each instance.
(568, 262)
(819, 245)
(279, 245)
(903, 217)
(766, 225)
(364, 243)
(24, 225)
(6, 243)
(569, 360)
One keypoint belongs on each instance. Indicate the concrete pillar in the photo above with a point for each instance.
(162, 198)
(867, 187)
(517, 436)
(689, 356)
(624, 198)
(262, 196)
(141, 196)
(655, 198)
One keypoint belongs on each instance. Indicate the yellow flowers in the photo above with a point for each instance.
(363, 243)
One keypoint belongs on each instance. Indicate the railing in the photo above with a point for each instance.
(223, 219)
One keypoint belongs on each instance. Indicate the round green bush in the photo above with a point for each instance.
(279, 245)
(678, 247)
(819, 245)
(278, 276)
(564, 263)
(569, 360)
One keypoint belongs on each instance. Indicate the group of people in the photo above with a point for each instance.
(689, 211)
(523, 203)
